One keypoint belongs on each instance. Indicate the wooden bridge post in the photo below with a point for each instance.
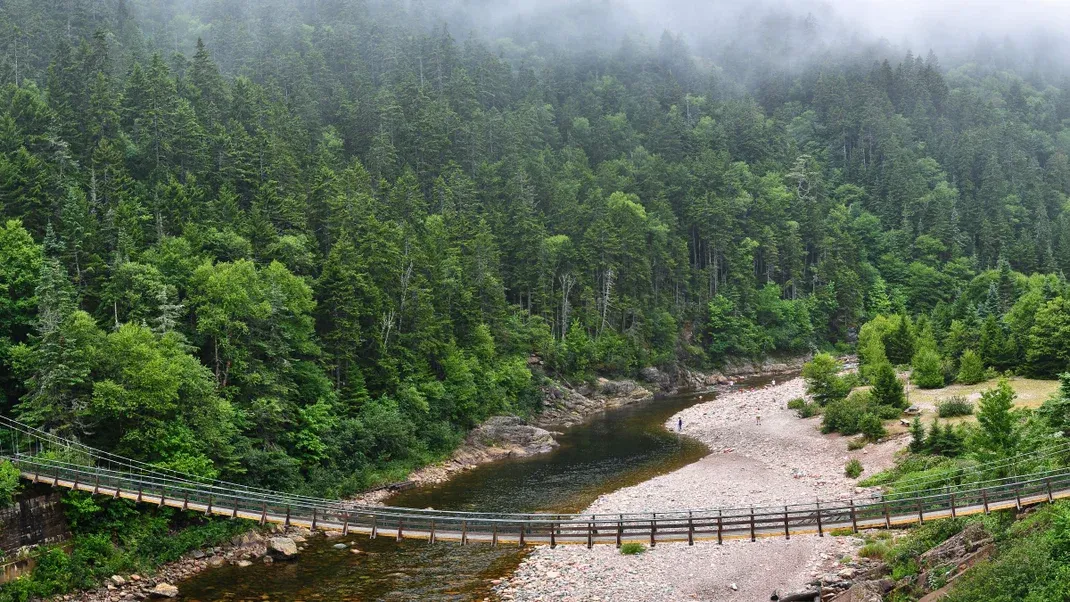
(690, 528)
(752, 537)
(787, 530)
(854, 517)
(720, 527)
(820, 527)
(653, 529)
(590, 535)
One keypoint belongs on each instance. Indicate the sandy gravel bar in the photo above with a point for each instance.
(782, 460)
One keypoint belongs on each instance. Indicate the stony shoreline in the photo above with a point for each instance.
(265, 546)
(565, 406)
(782, 459)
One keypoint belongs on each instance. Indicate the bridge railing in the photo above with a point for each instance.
(44, 457)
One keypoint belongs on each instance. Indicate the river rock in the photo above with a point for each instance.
(510, 433)
(340, 546)
(282, 548)
(164, 590)
(117, 580)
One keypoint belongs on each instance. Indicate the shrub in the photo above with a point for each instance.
(823, 381)
(853, 469)
(856, 443)
(843, 416)
(877, 550)
(955, 406)
(632, 548)
(871, 427)
(803, 408)
(928, 369)
(9, 483)
(971, 368)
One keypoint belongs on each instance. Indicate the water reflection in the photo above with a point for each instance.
(616, 449)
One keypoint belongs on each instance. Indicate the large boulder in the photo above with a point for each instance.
(513, 434)
(164, 590)
(282, 548)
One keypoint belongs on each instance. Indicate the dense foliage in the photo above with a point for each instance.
(308, 244)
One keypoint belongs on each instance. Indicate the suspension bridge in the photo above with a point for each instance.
(42, 457)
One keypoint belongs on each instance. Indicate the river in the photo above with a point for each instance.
(618, 448)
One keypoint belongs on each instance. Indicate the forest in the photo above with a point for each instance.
(307, 245)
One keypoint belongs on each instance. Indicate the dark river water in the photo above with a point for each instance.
(621, 447)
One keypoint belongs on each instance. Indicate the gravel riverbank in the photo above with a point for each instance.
(781, 460)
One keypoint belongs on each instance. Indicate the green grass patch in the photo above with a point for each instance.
(632, 548)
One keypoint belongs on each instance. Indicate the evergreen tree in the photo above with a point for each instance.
(899, 343)
(887, 388)
(928, 372)
(998, 433)
(971, 368)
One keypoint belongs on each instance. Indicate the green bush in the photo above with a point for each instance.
(823, 380)
(856, 444)
(632, 548)
(845, 416)
(955, 406)
(804, 408)
(971, 368)
(871, 427)
(853, 469)
(9, 483)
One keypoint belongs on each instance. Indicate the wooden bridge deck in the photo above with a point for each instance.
(544, 529)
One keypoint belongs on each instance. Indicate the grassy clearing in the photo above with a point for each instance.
(1031, 393)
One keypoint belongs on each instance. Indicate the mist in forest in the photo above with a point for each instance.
(1029, 33)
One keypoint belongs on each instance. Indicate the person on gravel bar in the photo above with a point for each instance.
(679, 424)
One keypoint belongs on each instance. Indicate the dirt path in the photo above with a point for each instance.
(782, 460)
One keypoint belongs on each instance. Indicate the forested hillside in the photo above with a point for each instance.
(303, 243)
